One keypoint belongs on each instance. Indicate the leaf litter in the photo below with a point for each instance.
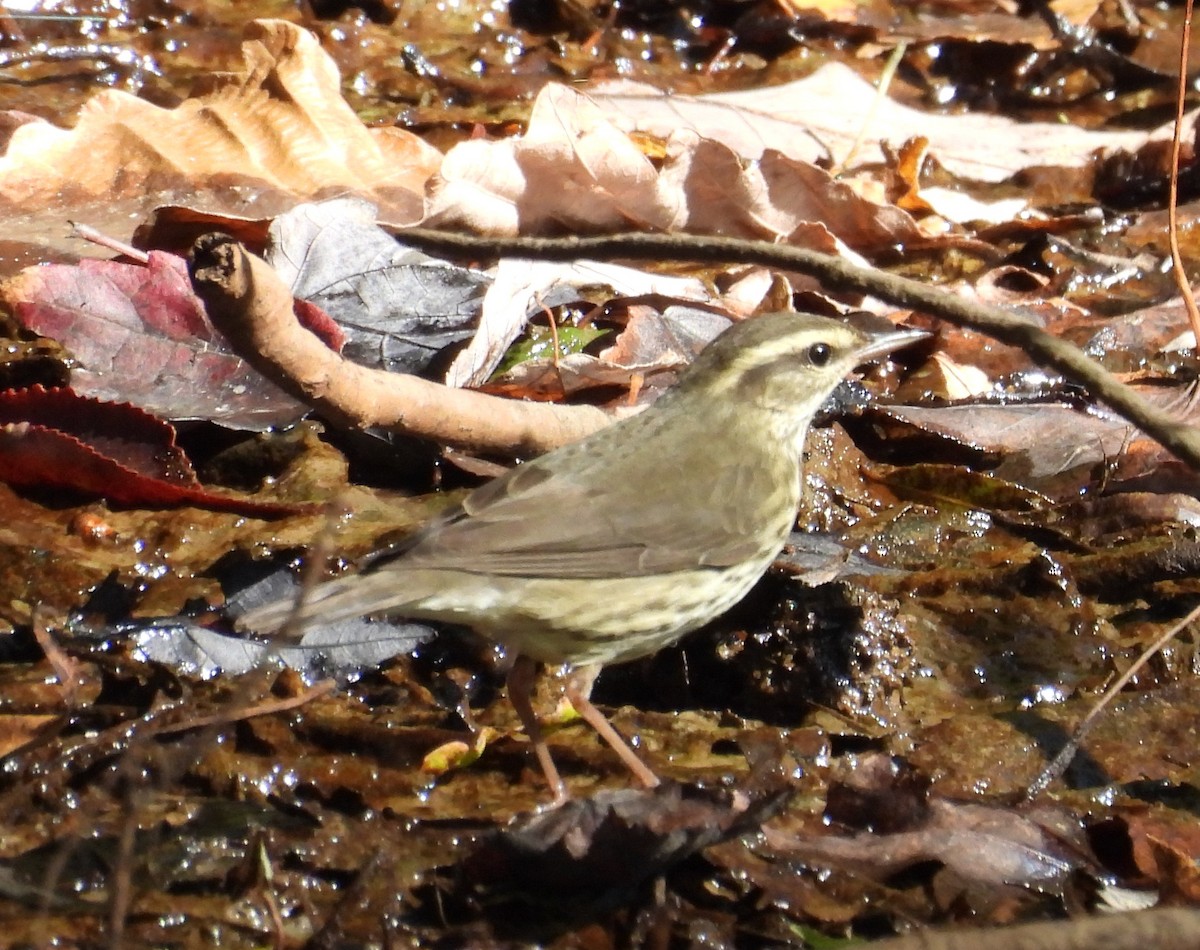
(967, 614)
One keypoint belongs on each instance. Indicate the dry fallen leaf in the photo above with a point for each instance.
(139, 334)
(57, 438)
(281, 124)
(819, 117)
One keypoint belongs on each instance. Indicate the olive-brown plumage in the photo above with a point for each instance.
(615, 546)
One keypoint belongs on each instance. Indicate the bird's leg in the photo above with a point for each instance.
(520, 692)
(578, 689)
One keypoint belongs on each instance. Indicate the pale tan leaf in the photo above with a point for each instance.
(821, 116)
(282, 123)
(572, 169)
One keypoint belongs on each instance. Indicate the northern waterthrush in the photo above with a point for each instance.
(615, 546)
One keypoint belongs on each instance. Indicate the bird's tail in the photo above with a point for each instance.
(341, 599)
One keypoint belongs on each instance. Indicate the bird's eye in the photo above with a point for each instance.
(819, 354)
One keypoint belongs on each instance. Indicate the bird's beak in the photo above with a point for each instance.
(882, 343)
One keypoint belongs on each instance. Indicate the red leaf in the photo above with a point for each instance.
(57, 438)
(140, 335)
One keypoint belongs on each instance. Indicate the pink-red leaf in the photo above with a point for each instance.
(55, 438)
(140, 335)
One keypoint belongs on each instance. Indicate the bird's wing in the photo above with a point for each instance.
(538, 521)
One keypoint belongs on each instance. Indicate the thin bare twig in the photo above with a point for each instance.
(236, 714)
(65, 669)
(1185, 288)
(85, 232)
(1022, 332)
(1060, 762)
(881, 89)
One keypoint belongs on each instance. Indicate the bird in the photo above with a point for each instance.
(610, 548)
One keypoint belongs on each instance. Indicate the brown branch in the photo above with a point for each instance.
(252, 307)
(1015, 330)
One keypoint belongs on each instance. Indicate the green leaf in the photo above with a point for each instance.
(538, 344)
